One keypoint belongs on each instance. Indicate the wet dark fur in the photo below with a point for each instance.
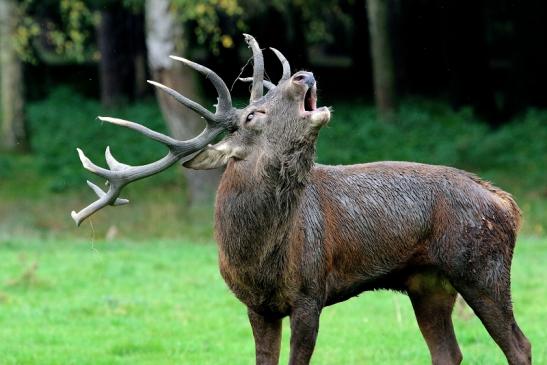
(290, 231)
(357, 227)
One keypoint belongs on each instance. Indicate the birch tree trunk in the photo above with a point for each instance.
(14, 133)
(383, 69)
(164, 37)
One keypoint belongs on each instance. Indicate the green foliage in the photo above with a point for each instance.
(55, 29)
(206, 15)
(428, 133)
(26, 31)
(6, 166)
(519, 147)
(65, 121)
(164, 302)
(61, 30)
(316, 18)
(76, 18)
(69, 25)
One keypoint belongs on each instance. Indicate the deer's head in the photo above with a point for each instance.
(284, 121)
(277, 126)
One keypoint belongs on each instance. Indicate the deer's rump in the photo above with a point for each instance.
(383, 222)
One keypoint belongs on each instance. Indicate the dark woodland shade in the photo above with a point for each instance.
(485, 54)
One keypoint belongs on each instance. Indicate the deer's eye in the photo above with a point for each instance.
(250, 116)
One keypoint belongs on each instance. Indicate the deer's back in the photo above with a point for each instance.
(378, 218)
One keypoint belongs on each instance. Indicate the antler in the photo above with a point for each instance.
(258, 68)
(121, 174)
(268, 84)
(284, 63)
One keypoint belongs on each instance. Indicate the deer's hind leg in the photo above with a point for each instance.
(492, 304)
(483, 280)
(433, 300)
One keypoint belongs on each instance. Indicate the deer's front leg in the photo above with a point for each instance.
(267, 335)
(304, 328)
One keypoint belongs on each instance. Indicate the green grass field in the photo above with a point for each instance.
(164, 302)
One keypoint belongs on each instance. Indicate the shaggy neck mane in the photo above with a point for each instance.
(257, 200)
(286, 173)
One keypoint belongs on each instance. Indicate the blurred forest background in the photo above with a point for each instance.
(450, 82)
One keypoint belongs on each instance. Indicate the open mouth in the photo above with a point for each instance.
(317, 116)
(310, 99)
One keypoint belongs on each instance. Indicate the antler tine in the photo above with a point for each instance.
(121, 174)
(156, 136)
(180, 148)
(224, 99)
(258, 68)
(284, 63)
(100, 193)
(184, 100)
(114, 164)
(267, 84)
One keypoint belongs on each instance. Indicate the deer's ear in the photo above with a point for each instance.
(213, 157)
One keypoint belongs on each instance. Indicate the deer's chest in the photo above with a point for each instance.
(260, 286)
(254, 249)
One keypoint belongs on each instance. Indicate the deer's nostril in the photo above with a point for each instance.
(306, 78)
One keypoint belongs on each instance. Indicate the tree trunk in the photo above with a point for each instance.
(164, 37)
(14, 133)
(116, 65)
(138, 40)
(382, 58)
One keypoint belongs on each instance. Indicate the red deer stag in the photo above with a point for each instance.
(295, 236)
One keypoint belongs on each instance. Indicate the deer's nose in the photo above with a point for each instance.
(305, 78)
